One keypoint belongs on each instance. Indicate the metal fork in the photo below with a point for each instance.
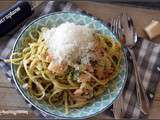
(118, 106)
(117, 28)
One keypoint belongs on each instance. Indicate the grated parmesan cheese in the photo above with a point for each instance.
(70, 42)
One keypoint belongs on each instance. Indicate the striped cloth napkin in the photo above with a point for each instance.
(148, 57)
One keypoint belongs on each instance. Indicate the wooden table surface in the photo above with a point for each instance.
(10, 100)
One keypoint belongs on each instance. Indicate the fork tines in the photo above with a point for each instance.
(116, 26)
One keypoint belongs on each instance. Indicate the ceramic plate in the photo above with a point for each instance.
(97, 105)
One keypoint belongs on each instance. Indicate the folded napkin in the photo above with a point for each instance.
(148, 57)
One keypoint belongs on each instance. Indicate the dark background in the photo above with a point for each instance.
(152, 4)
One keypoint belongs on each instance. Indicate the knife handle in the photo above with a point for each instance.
(14, 15)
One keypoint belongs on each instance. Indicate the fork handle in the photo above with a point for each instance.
(141, 96)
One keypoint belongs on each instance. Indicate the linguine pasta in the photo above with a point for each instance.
(69, 85)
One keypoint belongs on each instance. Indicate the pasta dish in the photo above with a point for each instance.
(70, 75)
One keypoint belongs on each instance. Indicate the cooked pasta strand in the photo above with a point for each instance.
(65, 89)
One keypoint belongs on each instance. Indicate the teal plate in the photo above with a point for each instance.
(97, 105)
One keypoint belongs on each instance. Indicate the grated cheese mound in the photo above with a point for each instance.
(70, 43)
